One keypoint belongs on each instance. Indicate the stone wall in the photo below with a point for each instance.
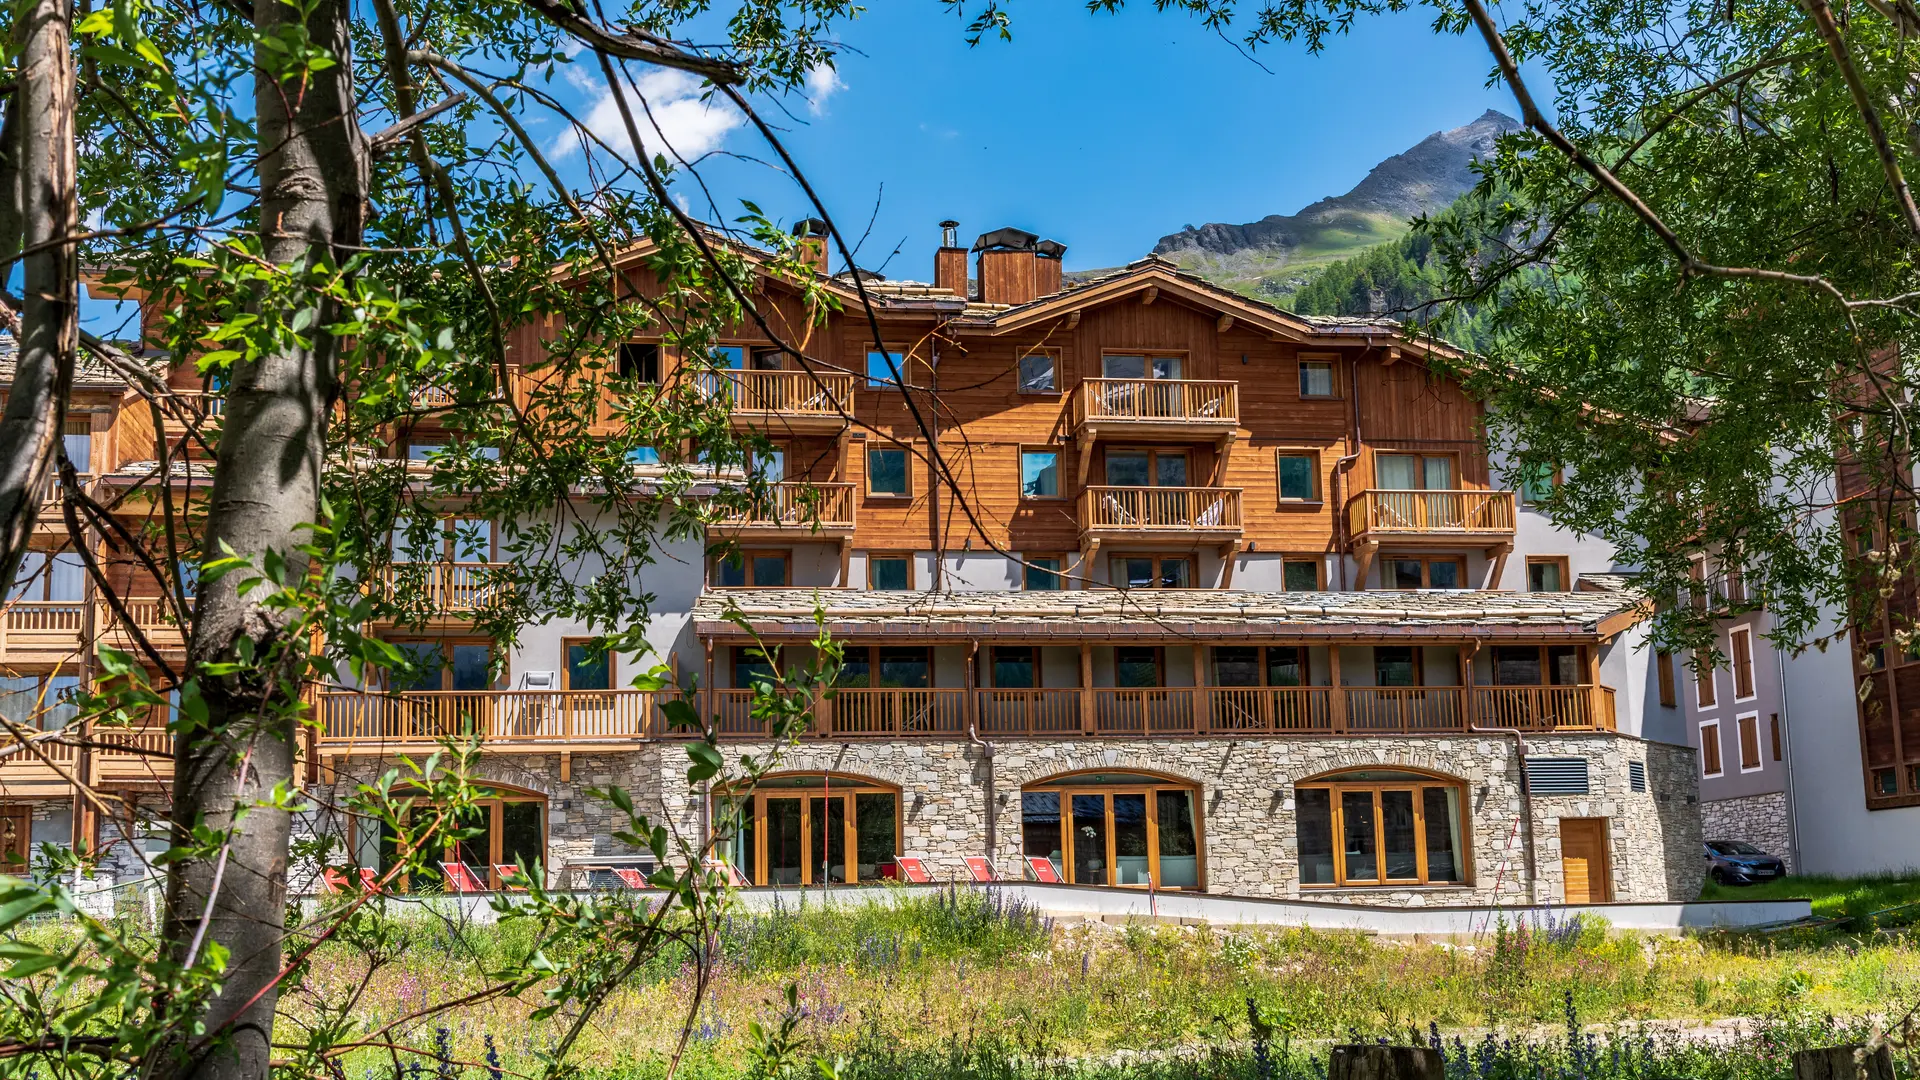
(1760, 820)
(1246, 802)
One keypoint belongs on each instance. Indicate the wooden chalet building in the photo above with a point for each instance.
(1219, 598)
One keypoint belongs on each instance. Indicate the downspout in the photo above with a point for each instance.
(933, 456)
(1343, 465)
(1526, 806)
(1786, 758)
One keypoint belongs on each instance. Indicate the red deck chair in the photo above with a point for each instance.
(980, 868)
(913, 869)
(334, 882)
(509, 874)
(461, 878)
(1043, 870)
(369, 879)
(734, 877)
(631, 878)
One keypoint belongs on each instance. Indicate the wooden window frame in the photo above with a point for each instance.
(1150, 355)
(1319, 570)
(1718, 758)
(1305, 658)
(1154, 454)
(1426, 571)
(495, 805)
(905, 365)
(1560, 562)
(1058, 357)
(873, 664)
(1056, 785)
(1335, 787)
(1663, 668)
(1060, 575)
(784, 449)
(1312, 454)
(1332, 361)
(747, 556)
(1555, 477)
(904, 556)
(566, 665)
(739, 656)
(449, 525)
(446, 642)
(1739, 657)
(1706, 690)
(1159, 666)
(866, 480)
(1419, 663)
(659, 361)
(832, 785)
(1545, 663)
(1419, 456)
(1746, 731)
(1059, 471)
(1158, 557)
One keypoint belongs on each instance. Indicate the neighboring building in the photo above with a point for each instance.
(1227, 599)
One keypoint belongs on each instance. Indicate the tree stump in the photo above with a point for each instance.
(1843, 1063)
(1367, 1062)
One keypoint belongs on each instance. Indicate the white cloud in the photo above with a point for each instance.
(822, 83)
(674, 120)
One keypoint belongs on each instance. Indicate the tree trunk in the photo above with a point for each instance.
(37, 182)
(1843, 1063)
(313, 180)
(1363, 1061)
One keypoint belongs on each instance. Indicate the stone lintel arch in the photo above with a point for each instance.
(1096, 761)
(833, 777)
(1336, 773)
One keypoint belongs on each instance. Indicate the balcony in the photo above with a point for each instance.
(1160, 513)
(1179, 408)
(447, 588)
(546, 720)
(797, 402)
(55, 631)
(1381, 515)
(139, 755)
(791, 509)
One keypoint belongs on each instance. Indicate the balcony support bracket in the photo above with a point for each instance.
(1363, 555)
(566, 766)
(1497, 568)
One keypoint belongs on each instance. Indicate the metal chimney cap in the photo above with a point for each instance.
(1009, 238)
(810, 227)
(1051, 249)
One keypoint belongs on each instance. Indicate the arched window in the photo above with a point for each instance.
(797, 828)
(511, 826)
(1115, 828)
(1381, 827)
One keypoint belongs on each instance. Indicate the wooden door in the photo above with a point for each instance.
(16, 838)
(1583, 860)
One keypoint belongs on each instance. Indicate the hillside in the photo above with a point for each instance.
(1272, 257)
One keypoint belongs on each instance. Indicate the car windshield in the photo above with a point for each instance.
(1734, 847)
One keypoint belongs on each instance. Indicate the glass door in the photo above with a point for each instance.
(786, 859)
(827, 839)
(1089, 840)
(1131, 855)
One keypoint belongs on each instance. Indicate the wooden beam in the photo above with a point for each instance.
(1225, 324)
(1073, 318)
(1229, 554)
(1365, 554)
(1393, 356)
(1086, 688)
(1148, 297)
(1499, 567)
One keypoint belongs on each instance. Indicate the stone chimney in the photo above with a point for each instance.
(950, 262)
(1376, 301)
(813, 242)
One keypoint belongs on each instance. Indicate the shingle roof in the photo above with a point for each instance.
(88, 370)
(1205, 613)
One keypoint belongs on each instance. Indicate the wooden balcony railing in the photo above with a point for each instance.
(792, 393)
(1380, 511)
(118, 754)
(53, 630)
(532, 719)
(798, 505)
(1159, 401)
(1160, 509)
(448, 586)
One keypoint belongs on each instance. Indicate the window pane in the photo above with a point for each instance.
(66, 577)
(1536, 484)
(730, 573)
(1123, 367)
(1136, 666)
(829, 838)
(1043, 575)
(740, 848)
(1175, 574)
(887, 471)
(18, 695)
(1013, 667)
(422, 672)
(1443, 575)
(1128, 468)
(769, 571)
(1314, 823)
(1543, 577)
(1563, 664)
(1316, 380)
(1036, 374)
(874, 815)
(1130, 838)
(1039, 474)
(1134, 573)
(521, 836)
(770, 465)
(61, 710)
(1166, 367)
(587, 667)
(731, 357)
(643, 455)
(783, 842)
(856, 669)
(879, 373)
(908, 667)
(1296, 477)
(472, 540)
(751, 666)
(1405, 573)
(639, 360)
(1286, 666)
(890, 573)
(1356, 814)
(30, 582)
(1089, 839)
(1396, 818)
(79, 448)
(1179, 848)
(1300, 576)
(1437, 473)
(472, 666)
(1170, 470)
(1442, 810)
(1040, 825)
(1393, 665)
(1395, 472)
(1236, 665)
(1516, 665)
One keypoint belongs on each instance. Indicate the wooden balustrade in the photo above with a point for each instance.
(1405, 709)
(52, 630)
(797, 504)
(1144, 711)
(1158, 401)
(1380, 511)
(1006, 712)
(446, 586)
(540, 716)
(1537, 708)
(791, 393)
(896, 711)
(1160, 509)
(1270, 710)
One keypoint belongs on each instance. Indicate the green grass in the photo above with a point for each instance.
(1833, 897)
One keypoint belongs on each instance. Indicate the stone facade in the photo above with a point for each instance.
(950, 790)
(1760, 820)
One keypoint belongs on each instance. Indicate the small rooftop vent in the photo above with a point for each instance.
(948, 233)
(810, 227)
(1008, 239)
(1051, 249)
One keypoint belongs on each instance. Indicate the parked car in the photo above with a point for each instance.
(1736, 862)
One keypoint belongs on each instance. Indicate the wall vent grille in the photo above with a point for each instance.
(1557, 775)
